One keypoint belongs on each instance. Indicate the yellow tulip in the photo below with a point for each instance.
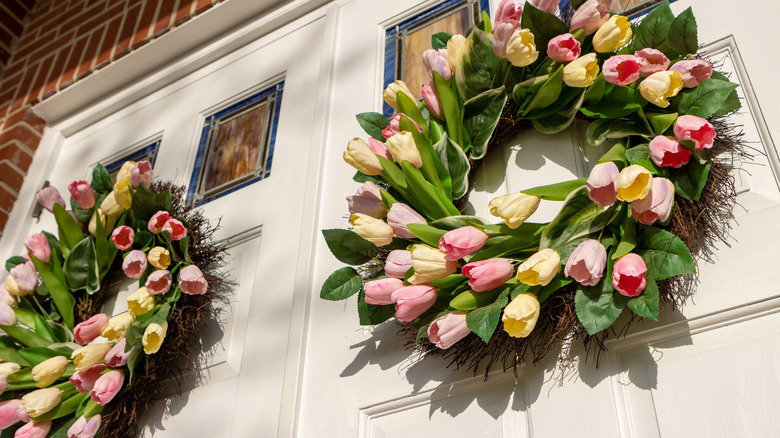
(87, 356)
(362, 158)
(41, 401)
(520, 315)
(48, 371)
(159, 257)
(140, 302)
(391, 92)
(117, 326)
(582, 71)
(540, 268)
(613, 34)
(374, 230)
(455, 48)
(7, 368)
(93, 221)
(403, 148)
(154, 335)
(521, 49)
(660, 86)
(111, 205)
(514, 208)
(634, 182)
(122, 180)
(430, 264)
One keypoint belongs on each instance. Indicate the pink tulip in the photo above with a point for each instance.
(563, 48)
(395, 125)
(367, 200)
(668, 152)
(158, 220)
(622, 69)
(84, 428)
(590, 15)
(34, 429)
(23, 414)
(696, 129)
(86, 332)
(586, 264)
(85, 380)
(175, 229)
(657, 205)
(26, 278)
(4, 379)
(82, 193)
(48, 196)
(489, 274)
(432, 101)
(601, 184)
(123, 237)
(159, 282)
(437, 61)
(107, 386)
(134, 264)
(378, 292)
(629, 275)
(461, 242)
(445, 331)
(548, 6)
(9, 413)
(379, 148)
(5, 296)
(116, 356)
(397, 263)
(191, 281)
(654, 61)
(413, 301)
(501, 35)
(401, 215)
(38, 245)
(141, 173)
(693, 71)
(507, 11)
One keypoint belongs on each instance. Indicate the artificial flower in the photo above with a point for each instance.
(659, 87)
(22, 279)
(446, 330)
(192, 281)
(456, 46)
(134, 264)
(378, 292)
(34, 429)
(379, 148)
(514, 208)
(89, 355)
(84, 380)
(502, 32)
(157, 221)
(107, 386)
(602, 183)
(633, 183)
(521, 48)
(591, 15)
(8, 413)
(390, 95)
(696, 129)
(140, 302)
(622, 69)
(48, 196)
(403, 148)
(657, 205)
(158, 282)
(548, 6)
(84, 428)
(612, 35)
(153, 337)
(175, 229)
(122, 178)
(506, 11)
(141, 174)
(629, 275)
(7, 314)
(38, 245)
(654, 61)
(397, 263)
(361, 157)
(159, 257)
(540, 268)
(117, 326)
(367, 200)
(432, 101)
(117, 356)
(581, 72)
(413, 301)
(668, 152)
(82, 194)
(430, 264)
(92, 227)
(693, 71)
(400, 216)
(520, 315)
(587, 262)
(461, 242)
(86, 331)
(563, 48)
(374, 230)
(41, 401)
(123, 237)
(48, 371)
(114, 204)
(7, 368)
(437, 61)
(485, 275)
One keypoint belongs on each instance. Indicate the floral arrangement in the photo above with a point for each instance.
(498, 290)
(65, 367)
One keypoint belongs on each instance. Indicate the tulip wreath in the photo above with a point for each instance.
(68, 370)
(621, 243)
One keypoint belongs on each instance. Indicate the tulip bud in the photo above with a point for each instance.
(698, 130)
(158, 282)
(693, 71)
(34, 429)
(379, 148)
(7, 368)
(432, 101)
(591, 15)
(622, 69)
(437, 61)
(82, 193)
(581, 72)
(445, 331)
(140, 302)
(587, 262)
(159, 257)
(6, 297)
(602, 188)
(540, 268)
(654, 61)
(392, 90)
(154, 335)
(456, 46)
(397, 263)
(629, 275)
(368, 201)
(117, 356)
(134, 264)
(117, 326)
(85, 380)
(461, 242)
(373, 230)
(175, 229)
(514, 208)
(191, 281)
(403, 148)
(107, 386)
(140, 174)
(123, 237)
(613, 34)
(659, 87)
(657, 205)
(157, 221)
(86, 332)
(633, 183)
(38, 245)
(413, 301)
(8, 413)
(521, 49)
(520, 315)
(430, 264)
(378, 292)
(122, 179)
(394, 126)
(48, 196)
(84, 428)
(563, 48)
(7, 315)
(22, 280)
(489, 274)
(41, 401)
(507, 11)
(548, 6)
(401, 215)
(668, 152)
(48, 371)
(22, 413)
(93, 221)
(362, 158)
(501, 35)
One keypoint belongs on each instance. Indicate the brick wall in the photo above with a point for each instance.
(60, 42)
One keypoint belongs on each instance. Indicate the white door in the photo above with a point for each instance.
(709, 370)
(247, 351)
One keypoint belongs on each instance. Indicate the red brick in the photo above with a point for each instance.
(164, 17)
(183, 11)
(21, 133)
(16, 9)
(28, 4)
(5, 37)
(26, 116)
(44, 46)
(3, 220)
(97, 20)
(90, 52)
(77, 20)
(74, 59)
(12, 23)
(127, 32)
(202, 6)
(50, 84)
(109, 41)
(145, 25)
(7, 199)
(11, 176)
(24, 87)
(13, 153)
(40, 80)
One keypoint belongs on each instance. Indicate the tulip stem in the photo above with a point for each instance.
(647, 123)
(35, 300)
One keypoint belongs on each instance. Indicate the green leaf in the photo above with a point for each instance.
(449, 281)
(579, 216)
(145, 203)
(646, 304)
(373, 124)
(616, 154)
(93, 408)
(24, 336)
(25, 316)
(557, 122)
(641, 155)
(480, 117)
(661, 121)
(456, 164)
(348, 247)
(70, 231)
(600, 130)
(476, 66)
(83, 214)
(43, 329)
(556, 192)
(628, 239)
(547, 94)
(430, 165)
(707, 98)
(62, 297)
(544, 26)
(595, 92)
(598, 306)
(618, 101)
(470, 300)
(370, 314)
(101, 181)
(689, 180)
(12, 355)
(13, 261)
(653, 30)
(434, 206)
(408, 106)
(575, 4)
(427, 233)
(341, 284)
(683, 32)
(484, 321)
(36, 355)
(450, 108)
(362, 177)
(81, 270)
(664, 254)
(439, 40)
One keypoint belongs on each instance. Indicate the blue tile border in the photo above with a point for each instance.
(136, 155)
(274, 95)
